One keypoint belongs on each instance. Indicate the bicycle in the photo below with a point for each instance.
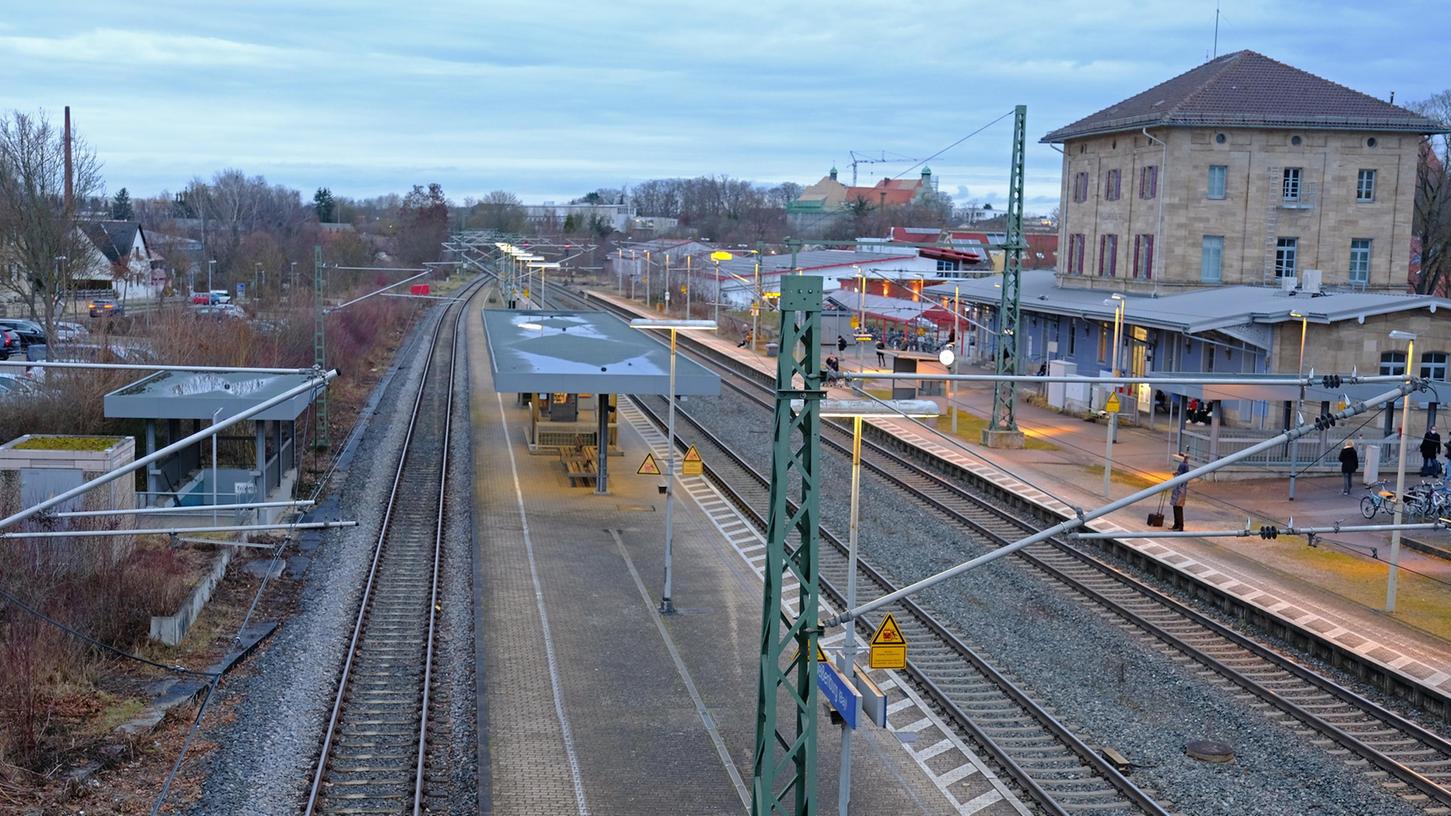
(1383, 500)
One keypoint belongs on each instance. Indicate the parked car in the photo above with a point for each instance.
(70, 332)
(222, 310)
(202, 298)
(12, 386)
(9, 344)
(106, 307)
(221, 296)
(28, 331)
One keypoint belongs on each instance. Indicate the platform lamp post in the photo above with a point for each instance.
(1119, 304)
(1299, 401)
(716, 257)
(857, 410)
(1395, 562)
(956, 338)
(667, 603)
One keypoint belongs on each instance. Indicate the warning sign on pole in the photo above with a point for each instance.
(889, 648)
(649, 467)
(691, 465)
(1112, 405)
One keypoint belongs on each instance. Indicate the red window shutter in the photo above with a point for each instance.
(1149, 267)
(1137, 242)
(1153, 189)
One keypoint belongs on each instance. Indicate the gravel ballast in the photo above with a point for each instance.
(1101, 681)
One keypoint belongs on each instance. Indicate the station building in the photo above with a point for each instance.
(1219, 203)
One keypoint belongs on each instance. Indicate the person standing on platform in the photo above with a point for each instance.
(1181, 491)
(1349, 463)
(881, 353)
(840, 344)
(1430, 449)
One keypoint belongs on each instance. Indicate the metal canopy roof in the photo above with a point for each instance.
(198, 395)
(585, 352)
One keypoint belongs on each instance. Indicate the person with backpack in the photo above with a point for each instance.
(1349, 463)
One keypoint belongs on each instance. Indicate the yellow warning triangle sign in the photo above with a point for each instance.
(888, 634)
(649, 467)
(692, 455)
(1112, 406)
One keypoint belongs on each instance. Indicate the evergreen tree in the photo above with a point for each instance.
(121, 206)
(323, 202)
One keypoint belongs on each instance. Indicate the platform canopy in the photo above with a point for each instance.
(544, 351)
(198, 395)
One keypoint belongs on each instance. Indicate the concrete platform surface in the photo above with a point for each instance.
(594, 702)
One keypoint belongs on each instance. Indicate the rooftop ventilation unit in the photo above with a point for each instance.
(1313, 279)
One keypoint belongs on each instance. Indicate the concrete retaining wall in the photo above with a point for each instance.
(170, 629)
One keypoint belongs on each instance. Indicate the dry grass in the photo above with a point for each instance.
(970, 427)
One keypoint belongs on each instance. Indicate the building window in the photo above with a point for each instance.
(1365, 185)
(1080, 187)
(1296, 140)
(1220, 138)
(1370, 142)
(1075, 253)
(945, 265)
(1149, 181)
(1218, 178)
(1360, 260)
(1211, 259)
(1433, 365)
(1393, 364)
(1108, 256)
(1290, 185)
(1286, 250)
(1112, 184)
(1072, 338)
(1143, 256)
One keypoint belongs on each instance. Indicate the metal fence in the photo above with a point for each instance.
(1316, 453)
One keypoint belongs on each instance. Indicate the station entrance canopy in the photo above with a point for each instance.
(546, 351)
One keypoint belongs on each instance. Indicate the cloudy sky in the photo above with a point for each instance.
(551, 100)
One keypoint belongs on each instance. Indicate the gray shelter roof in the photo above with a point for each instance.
(814, 261)
(1248, 89)
(1228, 309)
(585, 352)
(198, 395)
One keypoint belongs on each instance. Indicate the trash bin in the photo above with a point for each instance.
(1371, 470)
(773, 349)
(36, 353)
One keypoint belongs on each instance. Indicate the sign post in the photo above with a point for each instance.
(692, 465)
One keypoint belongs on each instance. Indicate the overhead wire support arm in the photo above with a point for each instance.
(1002, 430)
(1069, 525)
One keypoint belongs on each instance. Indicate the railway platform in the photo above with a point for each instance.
(593, 702)
(1334, 592)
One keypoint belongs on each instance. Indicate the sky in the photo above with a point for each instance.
(551, 100)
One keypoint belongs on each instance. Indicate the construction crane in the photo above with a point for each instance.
(861, 158)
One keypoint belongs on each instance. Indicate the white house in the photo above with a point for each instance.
(121, 260)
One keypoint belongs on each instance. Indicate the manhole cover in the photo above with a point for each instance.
(1209, 751)
(635, 508)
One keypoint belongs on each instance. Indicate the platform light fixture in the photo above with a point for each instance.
(1300, 400)
(1410, 338)
(667, 603)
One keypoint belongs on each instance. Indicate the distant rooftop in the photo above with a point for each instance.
(1248, 89)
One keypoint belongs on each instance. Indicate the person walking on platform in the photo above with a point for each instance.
(1349, 463)
(1181, 491)
(840, 344)
(881, 353)
(1430, 449)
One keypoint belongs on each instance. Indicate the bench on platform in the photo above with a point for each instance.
(580, 465)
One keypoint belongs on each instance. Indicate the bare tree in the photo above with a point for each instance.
(501, 210)
(1431, 218)
(41, 250)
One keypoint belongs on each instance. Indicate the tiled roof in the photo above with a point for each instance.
(1248, 89)
(876, 196)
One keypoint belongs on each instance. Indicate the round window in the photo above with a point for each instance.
(1370, 142)
(1220, 138)
(1295, 140)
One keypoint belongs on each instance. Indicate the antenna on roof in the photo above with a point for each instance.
(1216, 30)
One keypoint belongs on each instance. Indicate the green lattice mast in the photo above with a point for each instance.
(784, 776)
(1002, 430)
(319, 345)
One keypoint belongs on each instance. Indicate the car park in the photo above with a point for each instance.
(106, 307)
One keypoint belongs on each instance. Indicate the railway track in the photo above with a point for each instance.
(1403, 756)
(1061, 773)
(375, 750)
